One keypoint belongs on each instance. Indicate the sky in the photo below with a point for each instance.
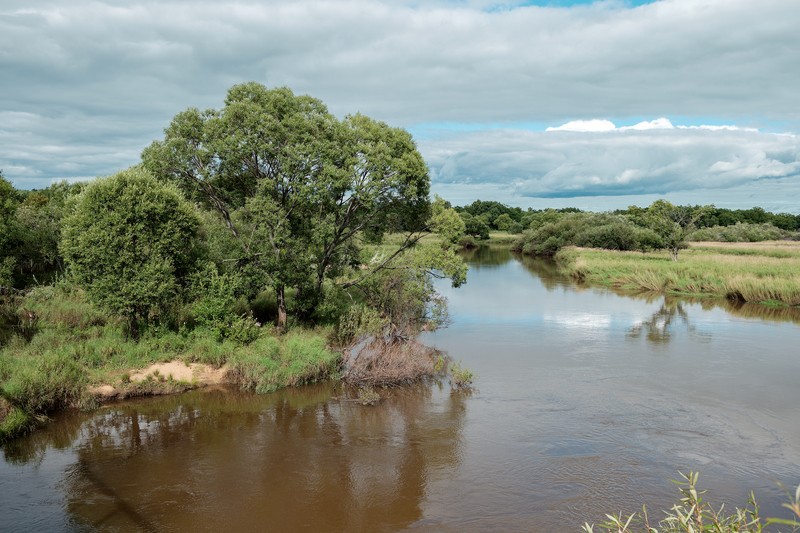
(550, 103)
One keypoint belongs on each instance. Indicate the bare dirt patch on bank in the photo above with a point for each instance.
(162, 378)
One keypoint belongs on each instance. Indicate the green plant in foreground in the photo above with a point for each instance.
(693, 514)
(460, 377)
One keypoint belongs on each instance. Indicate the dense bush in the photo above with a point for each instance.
(214, 306)
(131, 243)
(590, 230)
(740, 232)
(475, 226)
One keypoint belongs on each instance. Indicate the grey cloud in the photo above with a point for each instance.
(564, 164)
(105, 77)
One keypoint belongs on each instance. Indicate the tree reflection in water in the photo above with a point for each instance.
(661, 325)
(297, 459)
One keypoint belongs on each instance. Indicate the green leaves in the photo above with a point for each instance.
(296, 186)
(131, 243)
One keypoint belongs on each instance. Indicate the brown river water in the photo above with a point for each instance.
(586, 402)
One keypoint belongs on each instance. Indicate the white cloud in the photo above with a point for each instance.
(657, 124)
(596, 125)
(593, 125)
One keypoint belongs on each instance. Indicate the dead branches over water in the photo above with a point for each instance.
(388, 361)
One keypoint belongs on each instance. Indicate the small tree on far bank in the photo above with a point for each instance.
(673, 224)
(131, 243)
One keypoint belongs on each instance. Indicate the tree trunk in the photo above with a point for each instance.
(281, 298)
(133, 327)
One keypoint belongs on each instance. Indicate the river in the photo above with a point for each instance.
(586, 402)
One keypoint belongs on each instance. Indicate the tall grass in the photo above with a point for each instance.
(271, 363)
(760, 274)
(694, 514)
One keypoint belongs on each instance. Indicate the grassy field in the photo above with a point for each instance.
(765, 272)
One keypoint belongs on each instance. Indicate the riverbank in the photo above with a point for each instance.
(36, 381)
(65, 353)
(765, 272)
(70, 355)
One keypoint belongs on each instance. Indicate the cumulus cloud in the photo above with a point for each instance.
(593, 125)
(589, 159)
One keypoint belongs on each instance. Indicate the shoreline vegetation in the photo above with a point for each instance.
(766, 273)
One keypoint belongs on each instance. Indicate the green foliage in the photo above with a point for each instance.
(467, 242)
(661, 225)
(293, 184)
(30, 232)
(474, 226)
(357, 322)
(131, 243)
(8, 206)
(515, 228)
(404, 296)
(271, 363)
(491, 212)
(503, 222)
(64, 307)
(672, 223)
(709, 216)
(213, 308)
(460, 377)
(740, 232)
(446, 222)
(7, 271)
(590, 230)
(694, 514)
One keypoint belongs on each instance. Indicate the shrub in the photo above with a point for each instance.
(740, 232)
(131, 243)
(467, 242)
(358, 321)
(214, 307)
(460, 377)
(589, 230)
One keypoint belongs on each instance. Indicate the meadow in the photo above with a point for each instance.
(764, 272)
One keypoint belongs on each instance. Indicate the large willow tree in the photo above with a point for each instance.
(293, 184)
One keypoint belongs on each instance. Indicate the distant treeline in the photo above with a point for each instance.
(661, 225)
(496, 216)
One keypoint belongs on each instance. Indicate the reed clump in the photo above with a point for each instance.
(693, 513)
